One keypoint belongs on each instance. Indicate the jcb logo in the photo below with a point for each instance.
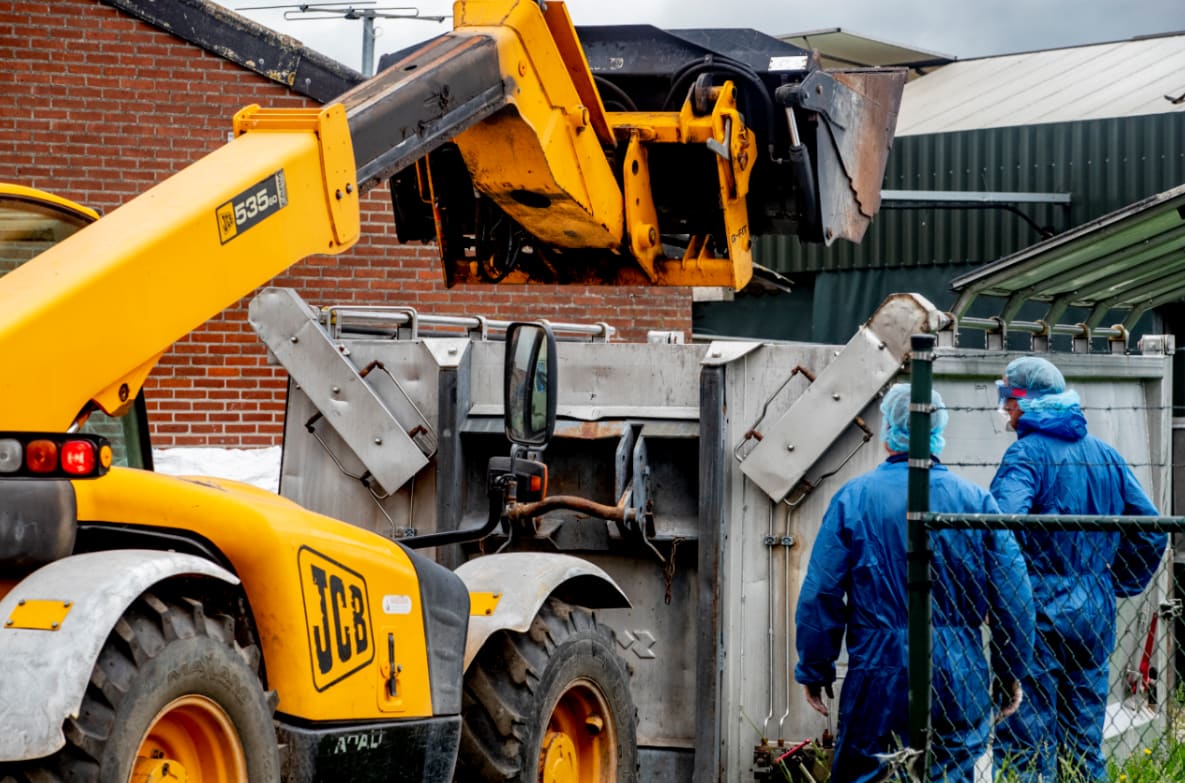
(251, 206)
(337, 616)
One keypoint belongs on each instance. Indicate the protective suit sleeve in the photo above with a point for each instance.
(1011, 612)
(822, 614)
(1015, 484)
(1139, 554)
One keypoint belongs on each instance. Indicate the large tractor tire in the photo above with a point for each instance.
(551, 705)
(173, 696)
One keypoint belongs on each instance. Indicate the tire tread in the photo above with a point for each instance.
(145, 630)
(503, 691)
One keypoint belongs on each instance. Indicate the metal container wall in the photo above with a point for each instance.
(710, 640)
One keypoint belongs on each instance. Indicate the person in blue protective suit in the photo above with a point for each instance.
(855, 585)
(1055, 467)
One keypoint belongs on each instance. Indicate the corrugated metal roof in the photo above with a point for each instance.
(1121, 79)
(1130, 259)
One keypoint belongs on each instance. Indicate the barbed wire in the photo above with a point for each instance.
(1084, 408)
(996, 464)
(1014, 353)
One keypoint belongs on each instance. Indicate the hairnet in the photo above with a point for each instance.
(895, 419)
(1035, 375)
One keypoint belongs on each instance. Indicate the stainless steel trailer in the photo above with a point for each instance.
(726, 453)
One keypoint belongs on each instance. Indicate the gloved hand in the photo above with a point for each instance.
(814, 697)
(1008, 697)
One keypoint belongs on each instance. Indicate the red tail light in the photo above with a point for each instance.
(78, 457)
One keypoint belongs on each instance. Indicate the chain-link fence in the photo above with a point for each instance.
(1074, 675)
(1102, 692)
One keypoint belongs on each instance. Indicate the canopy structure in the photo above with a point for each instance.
(1130, 260)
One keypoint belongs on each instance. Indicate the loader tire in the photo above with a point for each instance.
(171, 686)
(550, 704)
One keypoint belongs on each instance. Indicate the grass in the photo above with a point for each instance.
(1162, 761)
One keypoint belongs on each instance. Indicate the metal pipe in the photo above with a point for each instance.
(1038, 327)
(572, 503)
(918, 546)
(344, 318)
(769, 559)
(786, 601)
(367, 45)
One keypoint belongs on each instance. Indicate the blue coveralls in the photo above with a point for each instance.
(1055, 467)
(856, 581)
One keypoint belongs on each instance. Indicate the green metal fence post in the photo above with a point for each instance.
(918, 552)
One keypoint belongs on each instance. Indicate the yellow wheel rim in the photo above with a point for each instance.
(580, 743)
(191, 739)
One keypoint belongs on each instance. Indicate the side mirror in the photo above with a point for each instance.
(529, 384)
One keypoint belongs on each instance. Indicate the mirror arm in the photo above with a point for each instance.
(499, 495)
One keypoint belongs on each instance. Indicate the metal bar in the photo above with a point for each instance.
(918, 546)
(974, 197)
(709, 653)
(452, 408)
(417, 104)
(362, 318)
(1078, 522)
(1038, 327)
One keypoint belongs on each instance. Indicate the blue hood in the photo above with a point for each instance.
(1057, 415)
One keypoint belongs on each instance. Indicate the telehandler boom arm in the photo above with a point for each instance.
(505, 105)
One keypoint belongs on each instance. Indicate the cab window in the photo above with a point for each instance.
(31, 222)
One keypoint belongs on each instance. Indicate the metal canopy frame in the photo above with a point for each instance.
(1132, 259)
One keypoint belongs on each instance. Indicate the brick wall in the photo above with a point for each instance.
(98, 106)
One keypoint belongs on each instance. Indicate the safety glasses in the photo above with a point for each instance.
(1006, 392)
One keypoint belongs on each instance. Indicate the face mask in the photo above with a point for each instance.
(1005, 419)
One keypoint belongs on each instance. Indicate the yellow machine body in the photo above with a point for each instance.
(324, 594)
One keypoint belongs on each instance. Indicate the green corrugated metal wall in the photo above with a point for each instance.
(1103, 165)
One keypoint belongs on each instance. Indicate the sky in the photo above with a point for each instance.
(958, 28)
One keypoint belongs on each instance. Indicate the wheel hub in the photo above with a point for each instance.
(159, 771)
(191, 740)
(579, 743)
(559, 759)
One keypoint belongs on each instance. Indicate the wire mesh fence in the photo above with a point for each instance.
(1067, 669)
(1102, 695)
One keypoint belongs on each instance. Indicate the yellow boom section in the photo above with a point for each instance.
(87, 322)
(542, 162)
